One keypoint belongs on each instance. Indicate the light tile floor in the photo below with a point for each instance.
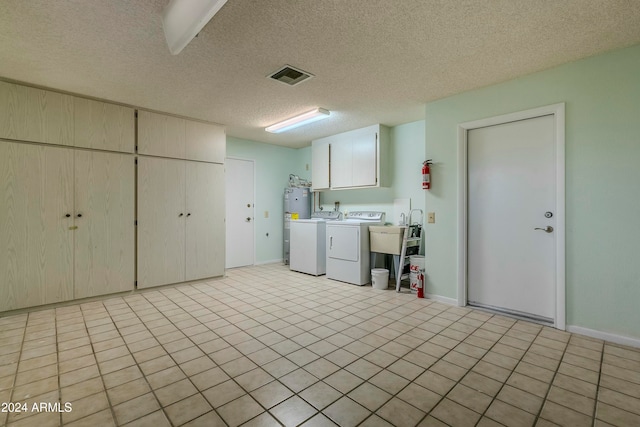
(265, 346)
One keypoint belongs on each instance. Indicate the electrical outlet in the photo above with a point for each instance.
(266, 214)
(431, 217)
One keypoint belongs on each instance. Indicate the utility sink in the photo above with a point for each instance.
(387, 239)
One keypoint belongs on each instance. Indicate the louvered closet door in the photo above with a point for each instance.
(205, 226)
(36, 244)
(104, 243)
(161, 221)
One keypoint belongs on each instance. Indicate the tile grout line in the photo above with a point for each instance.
(162, 407)
(555, 373)
(93, 350)
(597, 396)
(13, 386)
(459, 381)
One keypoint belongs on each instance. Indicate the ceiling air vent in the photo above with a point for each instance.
(290, 75)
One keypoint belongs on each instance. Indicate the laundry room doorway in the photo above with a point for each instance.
(512, 198)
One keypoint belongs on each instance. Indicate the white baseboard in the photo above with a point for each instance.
(607, 336)
(273, 261)
(445, 300)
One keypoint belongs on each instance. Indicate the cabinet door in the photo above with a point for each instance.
(365, 159)
(205, 227)
(104, 126)
(341, 164)
(36, 244)
(104, 239)
(29, 114)
(161, 221)
(161, 135)
(320, 166)
(205, 142)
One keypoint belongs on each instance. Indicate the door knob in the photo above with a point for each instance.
(79, 215)
(547, 229)
(248, 219)
(68, 215)
(181, 215)
(189, 214)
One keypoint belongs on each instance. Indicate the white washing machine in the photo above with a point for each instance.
(348, 247)
(308, 243)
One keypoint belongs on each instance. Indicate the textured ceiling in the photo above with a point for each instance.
(375, 61)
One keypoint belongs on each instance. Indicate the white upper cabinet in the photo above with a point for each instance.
(35, 115)
(320, 166)
(168, 136)
(354, 159)
(104, 126)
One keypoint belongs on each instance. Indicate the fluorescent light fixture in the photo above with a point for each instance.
(299, 120)
(182, 20)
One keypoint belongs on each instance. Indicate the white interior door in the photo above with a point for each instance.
(511, 249)
(239, 182)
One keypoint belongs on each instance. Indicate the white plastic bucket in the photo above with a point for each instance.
(380, 278)
(416, 263)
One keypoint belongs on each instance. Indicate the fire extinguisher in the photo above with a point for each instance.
(420, 285)
(426, 174)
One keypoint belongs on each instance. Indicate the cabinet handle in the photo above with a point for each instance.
(68, 215)
(79, 215)
(188, 214)
(181, 215)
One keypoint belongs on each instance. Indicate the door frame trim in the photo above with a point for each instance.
(558, 111)
(253, 163)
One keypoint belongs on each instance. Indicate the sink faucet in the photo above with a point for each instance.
(403, 219)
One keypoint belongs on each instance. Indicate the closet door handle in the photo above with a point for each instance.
(189, 214)
(68, 215)
(181, 215)
(79, 215)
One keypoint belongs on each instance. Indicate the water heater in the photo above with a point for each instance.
(297, 204)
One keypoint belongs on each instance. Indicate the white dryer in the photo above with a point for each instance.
(308, 243)
(348, 247)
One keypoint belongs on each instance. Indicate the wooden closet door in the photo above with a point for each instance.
(104, 126)
(161, 221)
(161, 135)
(36, 115)
(205, 220)
(36, 244)
(205, 142)
(104, 214)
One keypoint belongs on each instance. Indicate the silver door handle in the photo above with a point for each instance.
(547, 229)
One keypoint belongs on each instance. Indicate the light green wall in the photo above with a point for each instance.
(406, 156)
(273, 164)
(602, 96)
